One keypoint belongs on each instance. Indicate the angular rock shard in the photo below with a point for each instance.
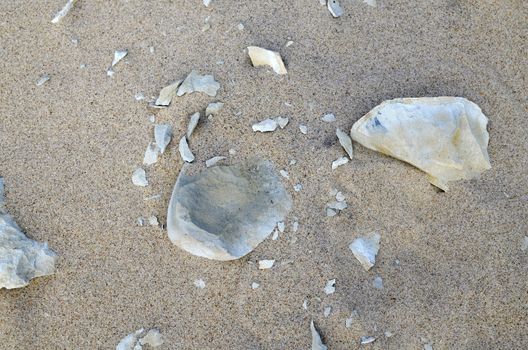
(212, 161)
(151, 154)
(346, 142)
(335, 8)
(266, 125)
(167, 94)
(213, 108)
(317, 342)
(365, 249)
(198, 83)
(64, 11)
(21, 258)
(118, 56)
(224, 212)
(446, 137)
(185, 151)
(262, 57)
(193, 122)
(162, 136)
(139, 177)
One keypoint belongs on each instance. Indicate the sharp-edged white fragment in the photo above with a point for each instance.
(110, 72)
(346, 142)
(64, 11)
(151, 154)
(340, 197)
(266, 125)
(367, 340)
(232, 151)
(118, 56)
(153, 338)
(297, 187)
(213, 108)
(337, 205)
(193, 122)
(335, 8)
(167, 94)
(388, 334)
(349, 321)
(43, 79)
(365, 249)
(289, 43)
(139, 96)
(153, 220)
(327, 311)
(255, 285)
(282, 121)
(284, 173)
(275, 235)
(295, 226)
(262, 57)
(317, 342)
(329, 118)
(207, 3)
(139, 177)
(322, 2)
(185, 151)
(428, 347)
(330, 212)
(446, 137)
(293, 162)
(199, 283)
(163, 136)
(524, 245)
(305, 304)
(338, 162)
(198, 83)
(240, 26)
(128, 342)
(265, 264)
(212, 161)
(330, 286)
(372, 3)
(303, 128)
(378, 282)
(281, 226)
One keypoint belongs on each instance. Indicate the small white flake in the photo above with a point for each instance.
(284, 173)
(262, 57)
(206, 27)
(305, 304)
(334, 8)
(338, 162)
(428, 347)
(139, 96)
(330, 286)
(317, 342)
(118, 56)
(293, 162)
(367, 340)
(289, 43)
(128, 342)
(337, 205)
(193, 122)
(82, 66)
(64, 11)
(240, 26)
(365, 249)
(282, 121)
(153, 197)
(151, 154)
(110, 72)
(322, 2)
(213, 108)
(185, 151)
(199, 283)
(167, 94)
(212, 161)
(298, 187)
(372, 3)
(378, 283)
(232, 152)
(346, 142)
(153, 220)
(303, 128)
(139, 177)
(163, 136)
(524, 245)
(152, 118)
(43, 79)
(255, 285)
(388, 334)
(265, 264)
(330, 212)
(153, 338)
(327, 311)
(281, 226)
(140, 221)
(151, 49)
(275, 235)
(198, 83)
(340, 197)
(295, 226)
(329, 118)
(348, 322)
(266, 125)
(206, 3)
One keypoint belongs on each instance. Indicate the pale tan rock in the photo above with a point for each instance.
(262, 57)
(167, 94)
(444, 136)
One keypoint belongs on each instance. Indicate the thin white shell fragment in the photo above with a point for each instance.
(167, 94)
(303, 128)
(335, 8)
(185, 151)
(317, 342)
(224, 212)
(207, 3)
(153, 338)
(199, 283)
(151, 154)
(329, 118)
(198, 83)
(118, 56)
(212, 161)
(255, 285)
(162, 136)
(365, 250)
(139, 177)
(213, 108)
(338, 162)
(282, 121)
(378, 282)
(128, 342)
(43, 79)
(265, 264)
(153, 220)
(275, 235)
(446, 137)
(193, 122)
(338, 205)
(64, 11)
(330, 286)
(367, 340)
(262, 57)
(266, 125)
(345, 141)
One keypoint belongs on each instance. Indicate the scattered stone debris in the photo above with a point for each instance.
(266, 125)
(167, 94)
(199, 283)
(372, 3)
(303, 128)
(213, 108)
(346, 142)
(212, 161)
(329, 118)
(317, 342)
(134, 341)
(193, 122)
(223, 213)
(332, 208)
(265, 264)
(446, 137)
(365, 249)
(43, 79)
(297, 187)
(185, 151)
(338, 162)
(330, 286)
(162, 136)
(198, 83)
(151, 154)
(153, 220)
(378, 282)
(367, 340)
(255, 285)
(327, 311)
(335, 8)
(64, 11)
(139, 177)
(262, 57)
(21, 258)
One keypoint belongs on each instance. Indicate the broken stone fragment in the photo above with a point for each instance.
(193, 122)
(151, 154)
(335, 8)
(330, 286)
(153, 338)
(266, 125)
(372, 3)
(262, 57)
(378, 282)
(446, 137)
(303, 129)
(338, 205)
(255, 285)
(21, 258)
(329, 118)
(365, 249)
(64, 11)
(213, 108)
(43, 79)
(199, 283)
(265, 264)
(224, 212)
(162, 136)
(210, 162)
(345, 141)
(185, 151)
(367, 340)
(139, 177)
(338, 162)
(198, 83)
(118, 56)
(282, 121)
(167, 94)
(317, 342)
(134, 341)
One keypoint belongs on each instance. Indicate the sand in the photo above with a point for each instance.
(453, 271)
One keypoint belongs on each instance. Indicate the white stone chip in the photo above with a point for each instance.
(207, 3)
(153, 338)
(162, 136)
(349, 321)
(265, 264)
(330, 286)
(275, 235)
(212, 161)
(139, 177)
(255, 285)
(128, 342)
(428, 347)
(232, 151)
(193, 122)
(185, 151)
(153, 220)
(524, 245)
(346, 142)
(282, 121)
(262, 57)
(43, 79)
(340, 197)
(65, 10)
(151, 154)
(305, 304)
(330, 212)
(199, 83)
(378, 282)
(317, 342)
(372, 3)
(297, 187)
(337, 205)
(289, 43)
(334, 8)
(295, 226)
(338, 162)
(138, 97)
(240, 26)
(213, 108)
(365, 249)
(281, 226)
(284, 173)
(303, 128)
(388, 334)
(266, 125)
(167, 94)
(327, 311)
(199, 283)
(367, 340)
(118, 56)
(329, 118)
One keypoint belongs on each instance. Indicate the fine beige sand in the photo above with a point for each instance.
(454, 273)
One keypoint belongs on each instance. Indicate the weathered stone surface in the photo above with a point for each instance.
(224, 212)
(444, 136)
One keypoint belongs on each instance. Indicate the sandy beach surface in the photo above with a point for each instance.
(453, 268)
